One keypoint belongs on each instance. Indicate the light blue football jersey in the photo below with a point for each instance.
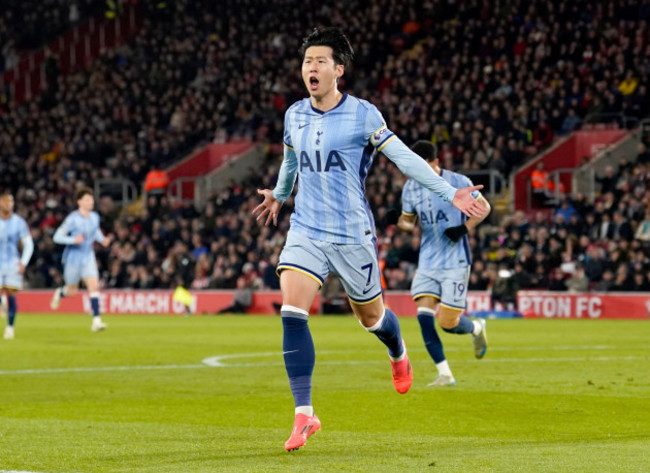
(12, 231)
(435, 215)
(331, 153)
(73, 225)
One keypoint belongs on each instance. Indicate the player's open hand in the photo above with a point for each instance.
(467, 204)
(21, 268)
(108, 239)
(79, 239)
(269, 208)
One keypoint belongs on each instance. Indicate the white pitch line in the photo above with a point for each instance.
(215, 362)
(16, 471)
(90, 369)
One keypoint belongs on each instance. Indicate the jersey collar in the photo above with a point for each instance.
(320, 112)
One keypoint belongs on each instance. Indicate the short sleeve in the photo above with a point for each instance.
(375, 129)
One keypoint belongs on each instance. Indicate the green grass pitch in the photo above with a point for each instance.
(550, 396)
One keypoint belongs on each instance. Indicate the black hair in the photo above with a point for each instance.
(333, 37)
(425, 149)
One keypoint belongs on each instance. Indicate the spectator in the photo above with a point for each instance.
(578, 282)
(620, 229)
(606, 283)
(504, 289)
(242, 299)
(640, 283)
(557, 281)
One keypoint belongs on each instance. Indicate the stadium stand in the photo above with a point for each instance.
(504, 85)
(26, 25)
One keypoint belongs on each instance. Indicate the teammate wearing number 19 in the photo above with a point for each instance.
(443, 267)
(330, 139)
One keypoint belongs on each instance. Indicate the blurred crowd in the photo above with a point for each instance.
(490, 83)
(579, 245)
(26, 25)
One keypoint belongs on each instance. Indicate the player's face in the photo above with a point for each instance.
(86, 203)
(319, 71)
(6, 204)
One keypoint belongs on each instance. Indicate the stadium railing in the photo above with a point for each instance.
(493, 181)
(123, 191)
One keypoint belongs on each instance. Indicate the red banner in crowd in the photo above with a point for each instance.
(541, 304)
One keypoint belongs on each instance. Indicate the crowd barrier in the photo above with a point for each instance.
(540, 304)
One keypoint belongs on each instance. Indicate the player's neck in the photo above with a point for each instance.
(328, 101)
(5, 216)
(84, 213)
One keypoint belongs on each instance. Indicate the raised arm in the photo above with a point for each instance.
(417, 169)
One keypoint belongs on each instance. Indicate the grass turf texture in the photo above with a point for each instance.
(551, 395)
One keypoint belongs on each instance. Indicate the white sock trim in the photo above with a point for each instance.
(377, 326)
(306, 410)
(94, 294)
(443, 368)
(401, 357)
(426, 310)
(477, 327)
(291, 308)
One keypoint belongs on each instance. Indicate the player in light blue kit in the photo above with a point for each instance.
(444, 263)
(13, 232)
(330, 140)
(79, 232)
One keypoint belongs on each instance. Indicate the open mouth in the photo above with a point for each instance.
(313, 83)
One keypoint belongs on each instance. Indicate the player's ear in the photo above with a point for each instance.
(340, 70)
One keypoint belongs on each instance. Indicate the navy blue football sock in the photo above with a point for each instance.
(430, 335)
(388, 331)
(11, 310)
(299, 354)
(94, 303)
(464, 326)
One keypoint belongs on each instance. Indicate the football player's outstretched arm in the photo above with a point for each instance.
(417, 169)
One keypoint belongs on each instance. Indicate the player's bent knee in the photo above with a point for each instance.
(71, 290)
(448, 318)
(369, 314)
